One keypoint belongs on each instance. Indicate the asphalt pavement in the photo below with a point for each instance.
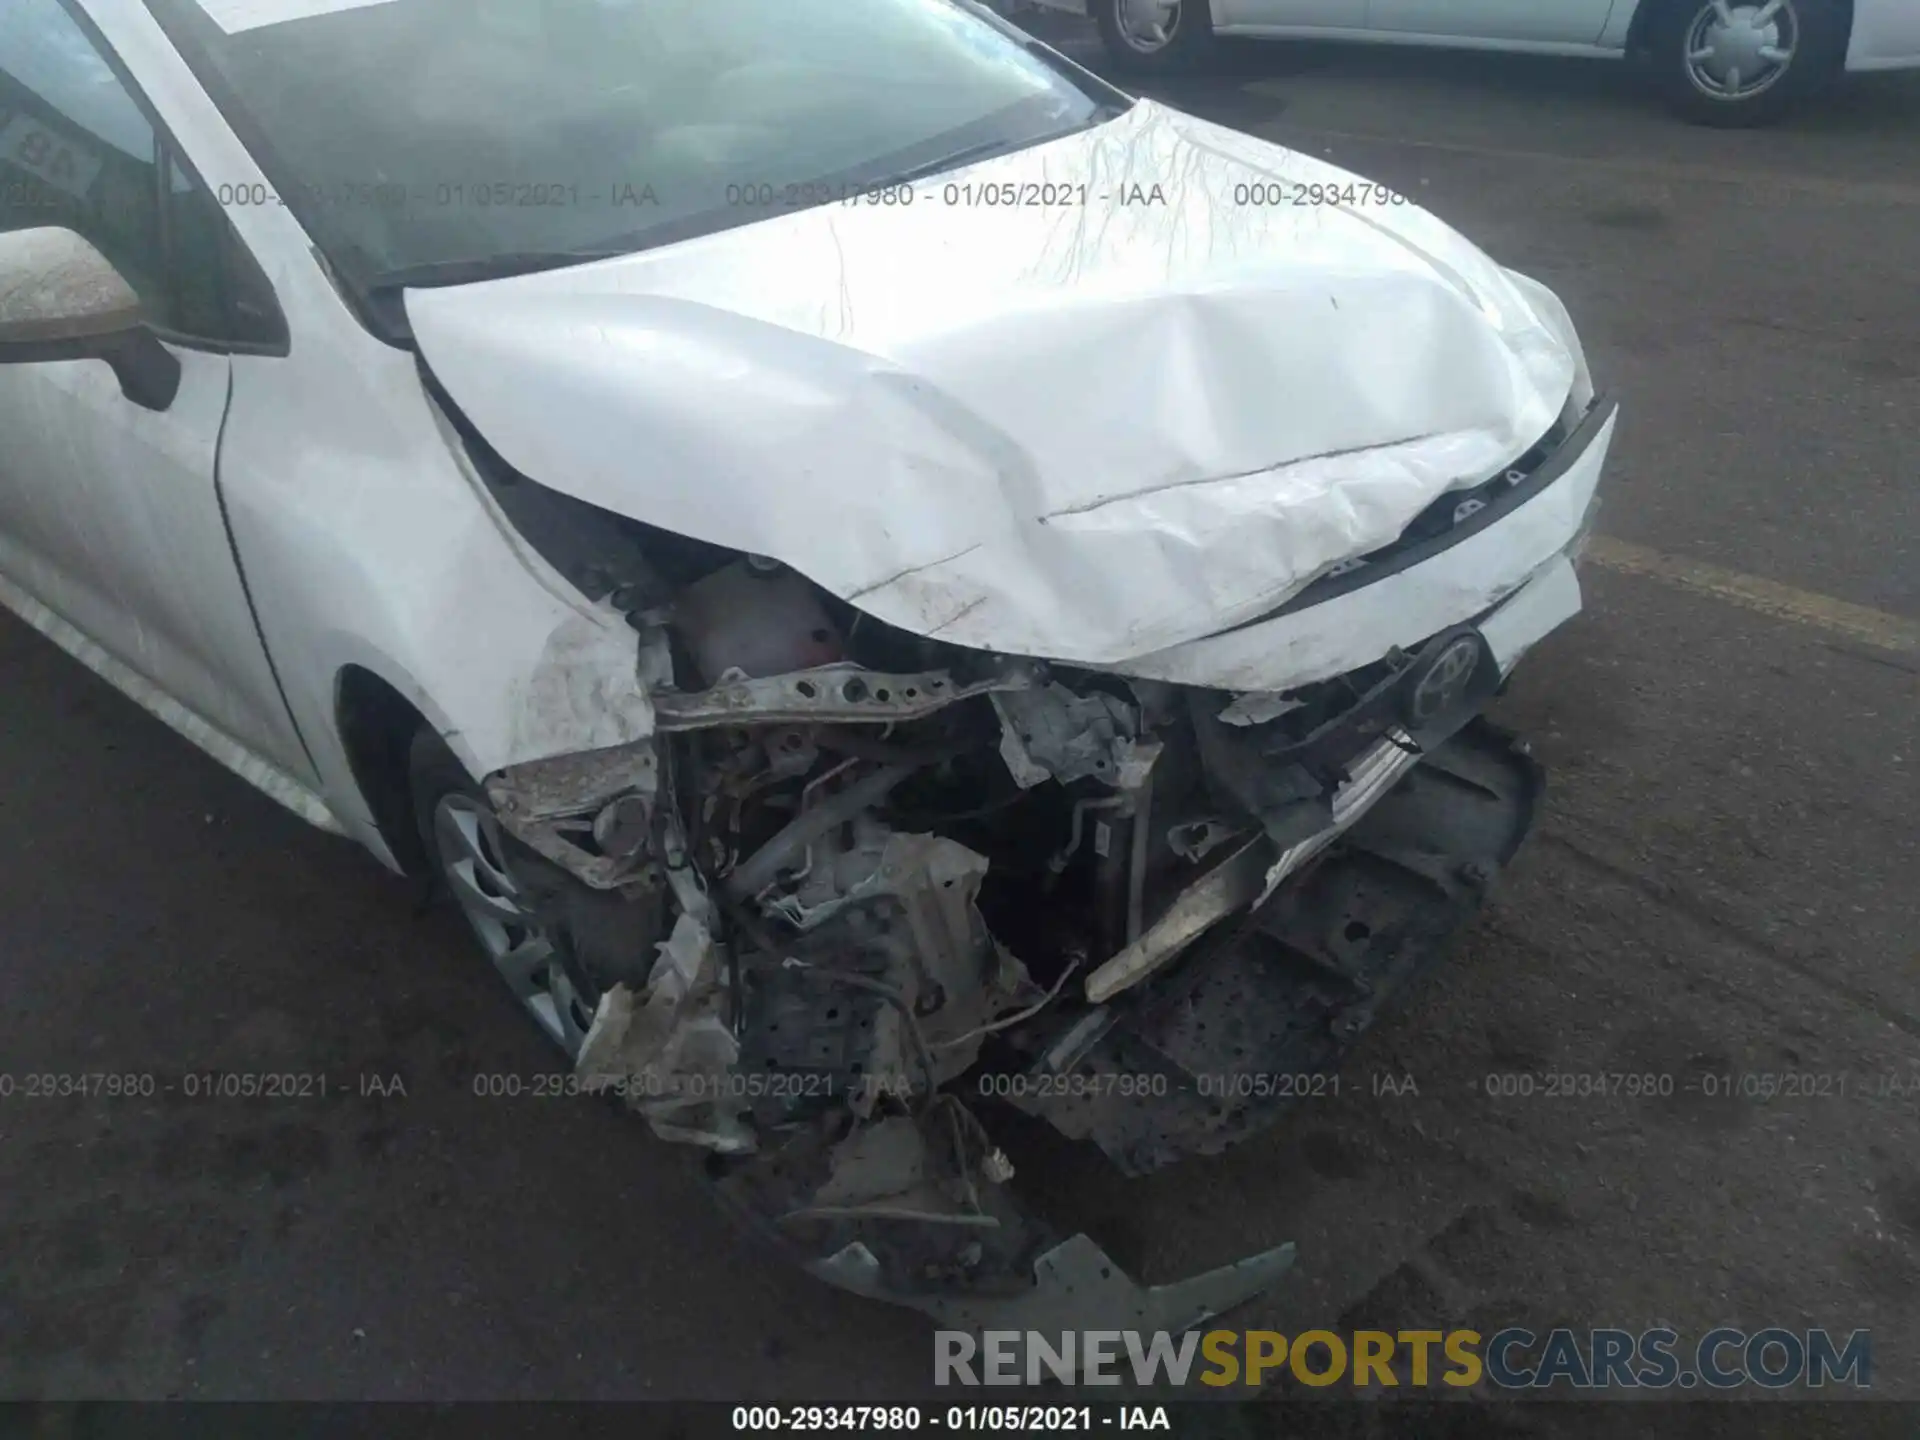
(1726, 883)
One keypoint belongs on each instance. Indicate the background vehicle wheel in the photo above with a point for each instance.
(1155, 37)
(1745, 62)
(468, 851)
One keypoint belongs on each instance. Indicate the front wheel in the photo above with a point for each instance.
(470, 858)
(1734, 64)
(1155, 37)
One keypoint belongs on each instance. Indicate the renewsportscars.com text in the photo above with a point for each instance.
(1513, 1359)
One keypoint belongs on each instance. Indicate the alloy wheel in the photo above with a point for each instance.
(467, 839)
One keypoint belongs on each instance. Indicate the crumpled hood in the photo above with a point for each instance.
(1079, 431)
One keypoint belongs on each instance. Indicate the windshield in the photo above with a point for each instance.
(440, 140)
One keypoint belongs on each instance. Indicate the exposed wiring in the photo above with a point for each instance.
(957, 1113)
(973, 1120)
(1026, 1014)
(960, 1154)
(894, 998)
(763, 940)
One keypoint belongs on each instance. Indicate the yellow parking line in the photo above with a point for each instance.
(1764, 597)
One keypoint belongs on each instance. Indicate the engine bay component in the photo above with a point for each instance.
(1291, 985)
(751, 621)
(925, 976)
(1197, 839)
(848, 693)
(592, 813)
(672, 1050)
(756, 873)
(1053, 734)
(860, 866)
(1230, 886)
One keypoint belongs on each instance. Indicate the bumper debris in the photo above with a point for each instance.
(899, 866)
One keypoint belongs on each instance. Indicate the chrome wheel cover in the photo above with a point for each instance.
(1736, 52)
(1147, 26)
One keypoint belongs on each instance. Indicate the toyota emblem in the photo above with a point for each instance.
(1446, 679)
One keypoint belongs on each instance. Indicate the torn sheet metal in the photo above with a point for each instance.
(1281, 387)
(1370, 779)
(591, 812)
(886, 1171)
(1291, 988)
(1053, 734)
(906, 903)
(671, 1053)
(1252, 874)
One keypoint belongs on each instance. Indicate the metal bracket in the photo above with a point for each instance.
(830, 692)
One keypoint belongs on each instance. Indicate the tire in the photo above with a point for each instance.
(471, 859)
(1813, 32)
(1188, 47)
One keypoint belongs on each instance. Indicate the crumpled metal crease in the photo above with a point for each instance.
(1085, 433)
(671, 1051)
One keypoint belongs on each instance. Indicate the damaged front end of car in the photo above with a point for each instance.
(858, 879)
(1065, 647)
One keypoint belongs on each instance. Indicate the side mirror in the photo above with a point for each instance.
(61, 299)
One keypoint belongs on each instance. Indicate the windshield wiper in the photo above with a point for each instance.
(985, 150)
(471, 270)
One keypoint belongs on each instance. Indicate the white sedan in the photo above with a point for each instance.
(1720, 62)
(858, 555)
